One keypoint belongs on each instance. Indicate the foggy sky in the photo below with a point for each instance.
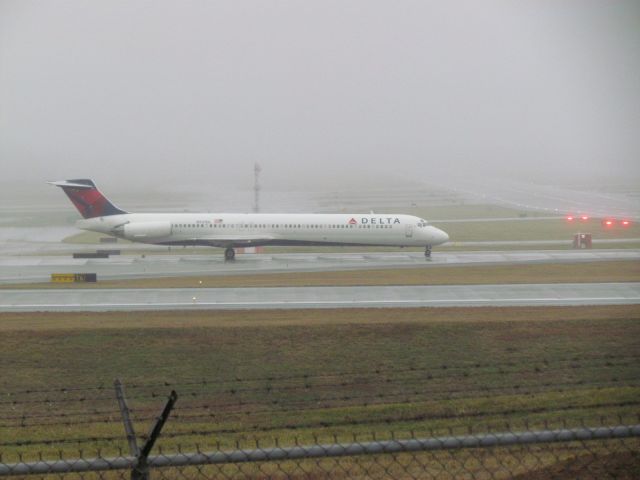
(196, 92)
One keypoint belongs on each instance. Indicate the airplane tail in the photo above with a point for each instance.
(87, 198)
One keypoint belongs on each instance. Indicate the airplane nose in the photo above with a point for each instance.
(444, 237)
(439, 236)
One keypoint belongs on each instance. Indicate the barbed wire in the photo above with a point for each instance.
(605, 451)
(504, 425)
(317, 424)
(380, 370)
(415, 395)
(270, 387)
(428, 416)
(63, 414)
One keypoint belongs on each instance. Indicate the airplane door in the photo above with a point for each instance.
(408, 231)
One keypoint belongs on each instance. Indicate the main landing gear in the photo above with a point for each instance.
(229, 254)
(427, 252)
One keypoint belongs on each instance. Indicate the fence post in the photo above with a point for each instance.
(126, 419)
(141, 470)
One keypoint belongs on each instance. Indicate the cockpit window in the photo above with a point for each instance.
(422, 223)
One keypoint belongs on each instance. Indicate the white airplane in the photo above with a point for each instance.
(231, 230)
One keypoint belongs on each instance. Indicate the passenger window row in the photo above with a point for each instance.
(230, 225)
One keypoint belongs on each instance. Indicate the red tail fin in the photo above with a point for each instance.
(87, 198)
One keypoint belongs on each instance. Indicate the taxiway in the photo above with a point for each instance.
(320, 297)
(26, 269)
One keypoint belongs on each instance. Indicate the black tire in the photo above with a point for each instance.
(229, 254)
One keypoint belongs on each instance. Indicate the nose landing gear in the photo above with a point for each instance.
(427, 252)
(229, 254)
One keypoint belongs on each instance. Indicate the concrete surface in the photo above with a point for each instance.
(320, 297)
(33, 268)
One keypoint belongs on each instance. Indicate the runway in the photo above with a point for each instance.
(102, 300)
(38, 268)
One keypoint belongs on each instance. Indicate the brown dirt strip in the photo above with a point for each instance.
(265, 318)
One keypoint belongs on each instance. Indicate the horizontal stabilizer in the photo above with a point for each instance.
(72, 184)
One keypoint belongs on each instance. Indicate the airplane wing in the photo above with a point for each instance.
(224, 241)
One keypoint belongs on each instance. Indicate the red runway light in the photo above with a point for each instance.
(569, 218)
(625, 223)
(584, 217)
(608, 223)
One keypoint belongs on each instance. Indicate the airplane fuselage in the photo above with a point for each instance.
(252, 229)
(230, 230)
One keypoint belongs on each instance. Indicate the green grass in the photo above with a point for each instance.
(290, 374)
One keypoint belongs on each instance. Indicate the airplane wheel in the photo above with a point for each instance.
(229, 254)
(427, 252)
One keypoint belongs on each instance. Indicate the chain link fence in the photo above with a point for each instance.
(495, 420)
(588, 453)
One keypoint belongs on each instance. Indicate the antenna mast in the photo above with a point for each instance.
(256, 187)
